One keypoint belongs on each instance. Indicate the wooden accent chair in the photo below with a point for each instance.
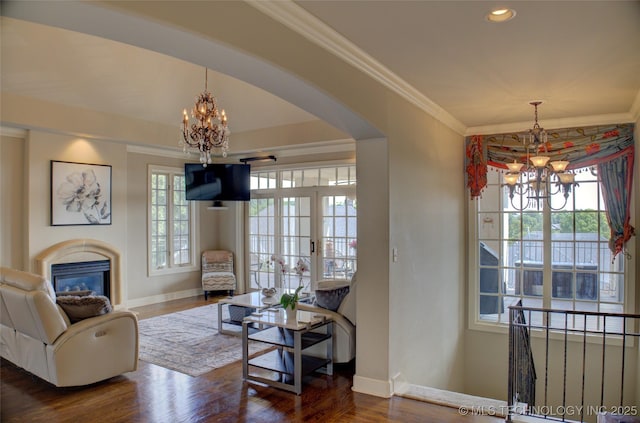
(217, 271)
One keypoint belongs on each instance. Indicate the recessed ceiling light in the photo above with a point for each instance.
(501, 14)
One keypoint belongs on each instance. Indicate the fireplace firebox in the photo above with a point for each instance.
(90, 275)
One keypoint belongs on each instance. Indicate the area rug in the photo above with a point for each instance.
(188, 341)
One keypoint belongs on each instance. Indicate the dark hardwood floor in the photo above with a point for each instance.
(158, 395)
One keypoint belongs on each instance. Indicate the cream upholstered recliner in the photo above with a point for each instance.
(344, 317)
(37, 335)
(217, 271)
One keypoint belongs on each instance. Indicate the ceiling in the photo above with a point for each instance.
(581, 58)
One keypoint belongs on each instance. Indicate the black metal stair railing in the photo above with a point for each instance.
(588, 359)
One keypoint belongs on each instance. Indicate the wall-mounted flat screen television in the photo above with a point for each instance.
(217, 182)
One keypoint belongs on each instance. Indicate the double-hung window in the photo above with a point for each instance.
(171, 232)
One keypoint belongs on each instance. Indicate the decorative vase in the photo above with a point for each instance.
(292, 314)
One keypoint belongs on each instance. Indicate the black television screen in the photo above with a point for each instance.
(217, 182)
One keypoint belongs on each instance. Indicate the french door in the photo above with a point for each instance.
(306, 235)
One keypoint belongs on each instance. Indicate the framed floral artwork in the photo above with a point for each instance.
(80, 194)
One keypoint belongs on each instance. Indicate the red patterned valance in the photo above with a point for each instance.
(476, 166)
(582, 146)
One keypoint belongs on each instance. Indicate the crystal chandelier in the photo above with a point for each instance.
(540, 179)
(209, 131)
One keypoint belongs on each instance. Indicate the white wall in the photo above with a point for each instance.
(372, 295)
(426, 283)
(143, 288)
(41, 148)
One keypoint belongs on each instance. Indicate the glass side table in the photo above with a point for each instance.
(287, 363)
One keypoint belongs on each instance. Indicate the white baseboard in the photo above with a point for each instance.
(467, 404)
(154, 299)
(375, 387)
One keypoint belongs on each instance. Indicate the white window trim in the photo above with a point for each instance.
(473, 269)
(194, 224)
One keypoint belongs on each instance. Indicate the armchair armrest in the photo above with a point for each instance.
(95, 349)
(344, 345)
(338, 318)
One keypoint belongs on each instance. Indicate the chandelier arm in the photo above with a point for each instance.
(566, 198)
(558, 188)
(521, 188)
(523, 206)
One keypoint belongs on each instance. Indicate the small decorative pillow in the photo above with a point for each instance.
(79, 308)
(331, 298)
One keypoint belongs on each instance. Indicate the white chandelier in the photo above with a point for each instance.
(209, 131)
(539, 180)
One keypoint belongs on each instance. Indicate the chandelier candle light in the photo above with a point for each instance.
(537, 179)
(209, 131)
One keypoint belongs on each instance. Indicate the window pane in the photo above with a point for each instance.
(562, 282)
(489, 202)
(488, 226)
(261, 242)
(328, 176)
(339, 231)
(310, 178)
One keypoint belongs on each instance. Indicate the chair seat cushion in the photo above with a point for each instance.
(218, 280)
(223, 275)
(331, 298)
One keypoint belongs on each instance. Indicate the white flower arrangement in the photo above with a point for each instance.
(301, 267)
(284, 268)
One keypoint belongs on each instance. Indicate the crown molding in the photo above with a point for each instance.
(157, 151)
(304, 23)
(8, 131)
(333, 146)
(552, 124)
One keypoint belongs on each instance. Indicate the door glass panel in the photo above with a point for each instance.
(294, 243)
(261, 242)
(339, 240)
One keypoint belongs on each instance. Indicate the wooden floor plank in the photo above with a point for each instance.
(155, 394)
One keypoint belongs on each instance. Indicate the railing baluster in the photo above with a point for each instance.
(584, 364)
(624, 344)
(604, 350)
(546, 364)
(564, 371)
(510, 384)
(522, 375)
